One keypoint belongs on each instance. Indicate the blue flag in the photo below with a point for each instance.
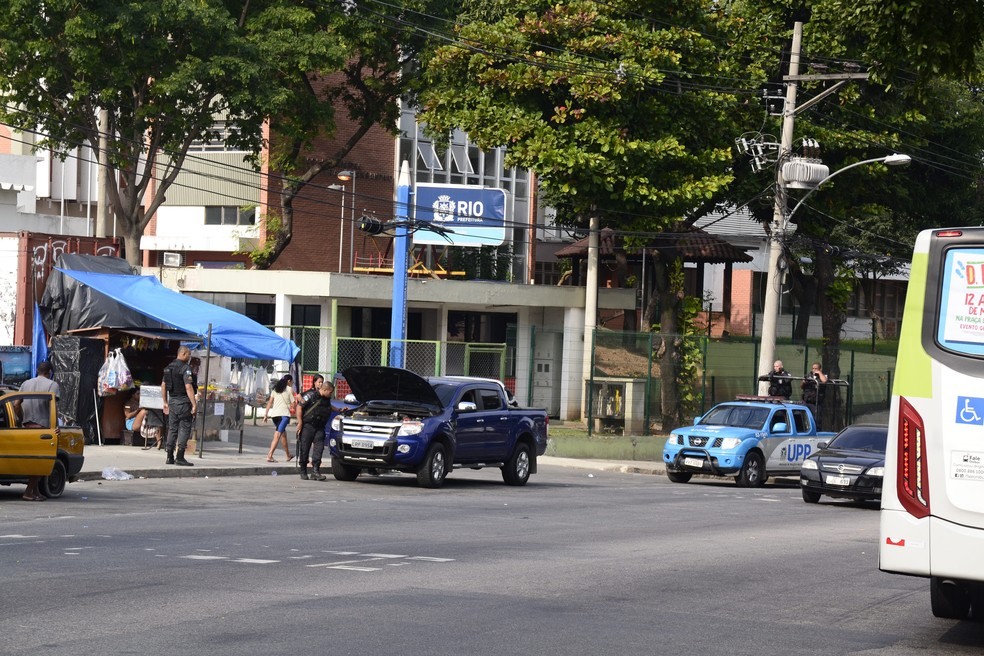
(39, 343)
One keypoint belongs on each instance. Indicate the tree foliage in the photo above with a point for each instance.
(611, 108)
(164, 70)
(374, 69)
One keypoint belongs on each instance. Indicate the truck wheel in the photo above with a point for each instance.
(434, 468)
(53, 484)
(679, 477)
(811, 497)
(949, 600)
(517, 470)
(752, 472)
(343, 472)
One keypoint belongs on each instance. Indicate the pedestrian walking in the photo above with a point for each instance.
(281, 398)
(314, 412)
(180, 406)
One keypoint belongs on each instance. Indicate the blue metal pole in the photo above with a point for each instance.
(401, 252)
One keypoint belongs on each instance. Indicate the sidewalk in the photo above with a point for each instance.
(225, 459)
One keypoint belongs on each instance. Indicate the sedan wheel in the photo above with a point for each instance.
(811, 497)
(53, 484)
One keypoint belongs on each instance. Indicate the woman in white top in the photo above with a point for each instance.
(278, 405)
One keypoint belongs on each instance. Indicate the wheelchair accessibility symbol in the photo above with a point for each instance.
(970, 410)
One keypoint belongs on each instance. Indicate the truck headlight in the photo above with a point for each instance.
(810, 464)
(876, 471)
(729, 443)
(410, 428)
(673, 439)
(336, 423)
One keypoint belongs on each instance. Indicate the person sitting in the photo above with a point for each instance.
(135, 415)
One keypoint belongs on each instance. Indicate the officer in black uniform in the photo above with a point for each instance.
(180, 405)
(313, 414)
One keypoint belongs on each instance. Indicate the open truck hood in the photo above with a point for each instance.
(389, 384)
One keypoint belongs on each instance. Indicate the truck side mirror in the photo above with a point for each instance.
(781, 427)
(697, 420)
(467, 406)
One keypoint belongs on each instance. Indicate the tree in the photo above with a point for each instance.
(366, 80)
(164, 71)
(620, 115)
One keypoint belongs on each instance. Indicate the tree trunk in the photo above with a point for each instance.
(668, 345)
(804, 290)
(832, 316)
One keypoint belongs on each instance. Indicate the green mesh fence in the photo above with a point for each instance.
(625, 392)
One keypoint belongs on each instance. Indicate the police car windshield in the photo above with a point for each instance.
(739, 416)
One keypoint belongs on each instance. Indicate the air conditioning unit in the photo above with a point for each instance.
(172, 259)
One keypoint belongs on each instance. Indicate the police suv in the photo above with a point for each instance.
(750, 440)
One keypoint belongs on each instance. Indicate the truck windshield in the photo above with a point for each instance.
(445, 392)
(739, 416)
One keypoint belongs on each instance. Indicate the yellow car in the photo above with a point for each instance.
(54, 454)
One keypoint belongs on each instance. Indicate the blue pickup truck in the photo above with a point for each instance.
(428, 426)
(749, 440)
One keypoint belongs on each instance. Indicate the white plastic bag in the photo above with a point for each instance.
(114, 375)
(115, 474)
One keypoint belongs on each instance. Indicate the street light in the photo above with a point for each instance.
(770, 310)
(341, 223)
(345, 176)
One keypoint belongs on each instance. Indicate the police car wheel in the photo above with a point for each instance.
(679, 477)
(752, 472)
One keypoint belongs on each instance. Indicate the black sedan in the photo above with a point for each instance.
(850, 466)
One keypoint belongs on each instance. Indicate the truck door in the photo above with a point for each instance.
(482, 433)
(26, 451)
(470, 427)
(791, 445)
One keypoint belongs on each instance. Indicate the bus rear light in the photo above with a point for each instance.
(912, 477)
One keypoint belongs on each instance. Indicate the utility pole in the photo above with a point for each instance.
(798, 174)
(102, 175)
(777, 231)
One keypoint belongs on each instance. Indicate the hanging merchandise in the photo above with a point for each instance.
(114, 375)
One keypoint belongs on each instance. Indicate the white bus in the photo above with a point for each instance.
(932, 512)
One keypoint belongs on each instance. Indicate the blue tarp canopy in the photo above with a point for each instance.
(233, 334)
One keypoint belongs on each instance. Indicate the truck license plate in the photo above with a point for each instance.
(362, 444)
(838, 480)
(694, 462)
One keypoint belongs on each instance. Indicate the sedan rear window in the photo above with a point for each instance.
(861, 438)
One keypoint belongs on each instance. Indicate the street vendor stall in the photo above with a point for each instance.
(83, 291)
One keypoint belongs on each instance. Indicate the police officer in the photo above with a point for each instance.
(313, 414)
(180, 405)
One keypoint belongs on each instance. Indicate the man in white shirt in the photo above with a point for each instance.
(36, 413)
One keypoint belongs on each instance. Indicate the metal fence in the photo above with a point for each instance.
(324, 353)
(625, 391)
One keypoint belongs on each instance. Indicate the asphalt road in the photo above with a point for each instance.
(574, 563)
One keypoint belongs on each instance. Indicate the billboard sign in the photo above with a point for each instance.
(475, 215)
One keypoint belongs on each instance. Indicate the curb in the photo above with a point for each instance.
(174, 471)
